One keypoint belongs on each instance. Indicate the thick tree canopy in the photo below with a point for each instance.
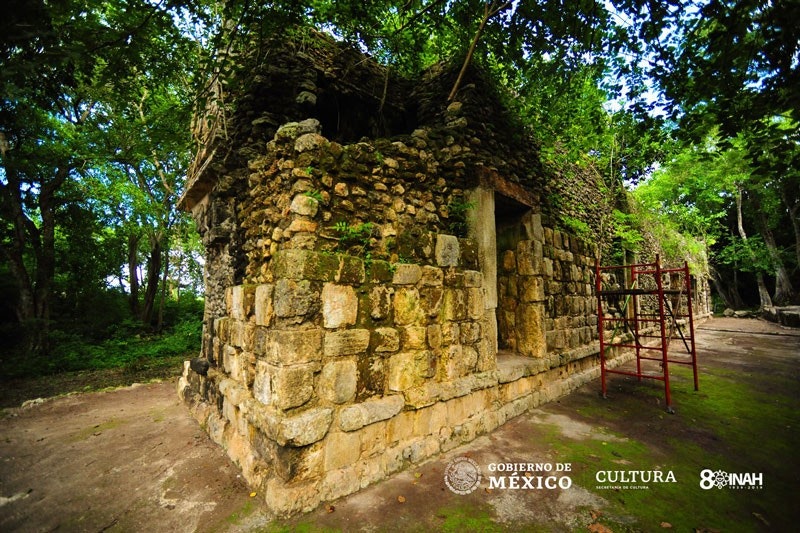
(96, 102)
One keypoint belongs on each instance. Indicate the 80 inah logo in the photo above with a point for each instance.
(720, 479)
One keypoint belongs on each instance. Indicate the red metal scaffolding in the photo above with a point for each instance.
(634, 298)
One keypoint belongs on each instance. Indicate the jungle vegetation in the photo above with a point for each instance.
(692, 106)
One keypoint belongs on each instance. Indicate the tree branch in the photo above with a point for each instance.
(489, 10)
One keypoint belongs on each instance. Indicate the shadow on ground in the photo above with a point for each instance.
(132, 459)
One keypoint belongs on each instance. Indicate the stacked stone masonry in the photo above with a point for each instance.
(372, 303)
(335, 375)
(332, 369)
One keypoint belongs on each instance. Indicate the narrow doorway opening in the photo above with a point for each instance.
(510, 231)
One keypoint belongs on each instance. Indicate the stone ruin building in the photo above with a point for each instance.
(384, 277)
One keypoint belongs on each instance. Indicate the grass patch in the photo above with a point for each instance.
(235, 518)
(730, 425)
(466, 518)
(95, 430)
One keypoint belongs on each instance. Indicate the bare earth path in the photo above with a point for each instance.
(133, 460)
(125, 460)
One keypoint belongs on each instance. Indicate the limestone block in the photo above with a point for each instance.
(385, 340)
(305, 205)
(455, 365)
(337, 381)
(304, 264)
(229, 411)
(234, 391)
(291, 130)
(434, 336)
(508, 261)
(263, 305)
(531, 289)
(454, 304)
(487, 347)
(237, 333)
(457, 411)
(339, 305)
(437, 419)
(306, 464)
(401, 427)
(262, 384)
(427, 364)
(351, 270)
(557, 239)
(368, 412)
(507, 373)
(338, 483)
(431, 276)
(380, 299)
(341, 449)
(475, 303)
(216, 351)
(301, 225)
(241, 301)
(346, 342)
(537, 258)
(525, 261)
(473, 278)
(403, 371)
(574, 339)
(414, 337)
(432, 300)
(295, 299)
(407, 274)
(229, 359)
(292, 386)
(450, 333)
(470, 332)
(289, 347)
(373, 438)
(308, 427)
(454, 277)
(531, 339)
(222, 328)
(446, 250)
(309, 141)
(424, 395)
(533, 227)
(341, 189)
(407, 308)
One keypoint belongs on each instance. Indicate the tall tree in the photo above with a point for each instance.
(62, 63)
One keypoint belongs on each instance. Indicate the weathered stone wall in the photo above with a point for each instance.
(396, 186)
(357, 289)
(547, 303)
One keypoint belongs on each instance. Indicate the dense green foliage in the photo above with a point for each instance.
(95, 108)
(97, 100)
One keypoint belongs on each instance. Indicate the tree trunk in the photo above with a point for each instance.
(164, 279)
(729, 293)
(784, 291)
(792, 202)
(133, 275)
(34, 282)
(794, 214)
(763, 293)
(153, 277)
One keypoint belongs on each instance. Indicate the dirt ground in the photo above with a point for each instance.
(132, 459)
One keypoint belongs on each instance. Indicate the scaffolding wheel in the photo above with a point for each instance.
(670, 410)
